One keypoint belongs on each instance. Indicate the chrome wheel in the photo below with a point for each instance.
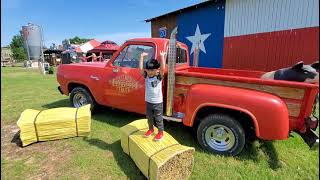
(220, 137)
(79, 100)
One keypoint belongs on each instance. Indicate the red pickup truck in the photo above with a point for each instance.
(226, 106)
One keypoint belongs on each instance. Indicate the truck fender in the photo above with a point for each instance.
(73, 77)
(78, 83)
(224, 106)
(268, 112)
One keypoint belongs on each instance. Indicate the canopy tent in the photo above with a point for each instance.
(107, 46)
(87, 46)
(105, 50)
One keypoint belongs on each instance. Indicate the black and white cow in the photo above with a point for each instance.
(298, 72)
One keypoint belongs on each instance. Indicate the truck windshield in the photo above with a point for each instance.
(130, 55)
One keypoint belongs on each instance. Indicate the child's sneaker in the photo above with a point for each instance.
(159, 136)
(148, 133)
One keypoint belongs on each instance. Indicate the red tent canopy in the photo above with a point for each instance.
(106, 46)
(88, 46)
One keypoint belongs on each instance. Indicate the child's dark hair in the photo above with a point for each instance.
(152, 64)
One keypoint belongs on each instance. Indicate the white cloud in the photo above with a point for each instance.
(120, 38)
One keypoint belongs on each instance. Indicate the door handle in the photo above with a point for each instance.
(94, 77)
(115, 70)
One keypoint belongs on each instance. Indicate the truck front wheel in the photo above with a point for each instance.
(221, 134)
(79, 96)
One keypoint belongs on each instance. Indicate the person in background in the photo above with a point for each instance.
(94, 57)
(84, 58)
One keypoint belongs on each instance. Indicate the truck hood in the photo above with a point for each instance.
(86, 64)
(83, 67)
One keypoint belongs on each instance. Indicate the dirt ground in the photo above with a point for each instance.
(45, 156)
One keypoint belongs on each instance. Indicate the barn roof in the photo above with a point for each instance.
(202, 4)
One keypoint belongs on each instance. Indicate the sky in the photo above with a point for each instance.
(99, 19)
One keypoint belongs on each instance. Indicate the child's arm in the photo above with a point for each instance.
(141, 62)
(162, 62)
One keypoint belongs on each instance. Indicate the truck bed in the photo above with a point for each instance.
(298, 96)
(228, 72)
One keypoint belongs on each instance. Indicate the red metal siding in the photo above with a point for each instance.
(271, 50)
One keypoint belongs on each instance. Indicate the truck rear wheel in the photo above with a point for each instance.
(221, 134)
(79, 96)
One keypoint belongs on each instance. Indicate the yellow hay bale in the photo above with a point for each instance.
(165, 159)
(56, 123)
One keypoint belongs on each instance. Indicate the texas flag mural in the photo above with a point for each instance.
(251, 34)
(205, 29)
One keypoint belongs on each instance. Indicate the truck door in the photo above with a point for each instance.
(125, 88)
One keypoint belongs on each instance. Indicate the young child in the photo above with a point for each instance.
(153, 74)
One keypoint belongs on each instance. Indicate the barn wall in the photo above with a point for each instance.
(258, 16)
(210, 20)
(269, 51)
(266, 35)
(250, 34)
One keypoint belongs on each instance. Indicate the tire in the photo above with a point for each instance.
(221, 134)
(79, 96)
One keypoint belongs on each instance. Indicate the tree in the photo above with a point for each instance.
(77, 40)
(18, 51)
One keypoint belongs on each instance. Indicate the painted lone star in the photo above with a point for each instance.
(197, 40)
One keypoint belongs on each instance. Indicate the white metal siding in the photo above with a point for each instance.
(256, 16)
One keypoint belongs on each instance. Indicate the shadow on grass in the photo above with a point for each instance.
(250, 152)
(115, 117)
(187, 136)
(269, 150)
(59, 103)
(16, 139)
(122, 159)
(118, 118)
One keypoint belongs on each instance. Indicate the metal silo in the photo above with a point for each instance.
(32, 35)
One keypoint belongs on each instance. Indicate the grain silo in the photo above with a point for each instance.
(32, 35)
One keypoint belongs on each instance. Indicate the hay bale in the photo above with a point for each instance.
(165, 159)
(52, 124)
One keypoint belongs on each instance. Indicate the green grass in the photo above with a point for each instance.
(101, 157)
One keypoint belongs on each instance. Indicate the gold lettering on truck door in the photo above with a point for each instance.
(125, 84)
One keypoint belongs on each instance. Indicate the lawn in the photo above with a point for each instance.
(100, 156)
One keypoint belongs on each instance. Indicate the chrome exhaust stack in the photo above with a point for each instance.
(171, 71)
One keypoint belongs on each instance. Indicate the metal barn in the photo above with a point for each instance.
(246, 34)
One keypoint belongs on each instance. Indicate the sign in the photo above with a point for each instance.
(163, 32)
(125, 84)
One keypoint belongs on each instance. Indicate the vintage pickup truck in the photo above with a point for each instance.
(225, 106)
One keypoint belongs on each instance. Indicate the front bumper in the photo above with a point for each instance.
(310, 138)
